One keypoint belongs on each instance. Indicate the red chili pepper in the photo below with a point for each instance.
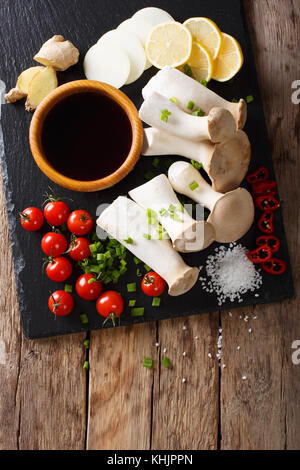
(270, 240)
(260, 255)
(264, 187)
(261, 174)
(274, 266)
(265, 223)
(267, 203)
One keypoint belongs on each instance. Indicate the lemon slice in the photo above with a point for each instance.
(169, 44)
(201, 63)
(207, 33)
(230, 59)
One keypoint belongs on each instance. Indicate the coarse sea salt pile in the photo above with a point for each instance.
(230, 274)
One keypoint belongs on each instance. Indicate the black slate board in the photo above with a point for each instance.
(25, 26)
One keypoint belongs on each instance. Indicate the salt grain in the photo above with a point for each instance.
(183, 380)
(165, 350)
(244, 377)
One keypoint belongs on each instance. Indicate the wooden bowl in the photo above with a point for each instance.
(83, 86)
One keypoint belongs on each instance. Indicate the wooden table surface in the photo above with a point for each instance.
(48, 401)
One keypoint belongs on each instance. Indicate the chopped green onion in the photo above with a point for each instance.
(175, 217)
(152, 217)
(84, 318)
(190, 105)
(181, 208)
(136, 260)
(196, 165)
(90, 281)
(249, 98)
(138, 272)
(131, 287)
(147, 267)
(86, 344)
(162, 234)
(172, 208)
(163, 212)
(166, 362)
(234, 100)
(129, 241)
(194, 185)
(147, 236)
(137, 311)
(165, 115)
(93, 247)
(198, 112)
(149, 175)
(204, 82)
(123, 262)
(68, 288)
(148, 362)
(173, 99)
(187, 70)
(132, 303)
(155, 162)
(86, 365)
(156, 302)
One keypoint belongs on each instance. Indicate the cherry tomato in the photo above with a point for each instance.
(32, 219)
(110, 305)
(61, 303)
(79, 249)
(153, 284)
(80, 222)
(56, 213)
(54, 244)
(86, 290)
(59, 269)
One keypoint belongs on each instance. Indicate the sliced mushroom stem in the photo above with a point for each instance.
(124, 219)
(172, 83)
(158, 111)
(226, 163)
(232, 214)
(186, 233)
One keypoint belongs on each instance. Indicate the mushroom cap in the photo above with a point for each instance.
(195, 238)
(230, 162)
(221, 125)
(232, 215)
(185, 282)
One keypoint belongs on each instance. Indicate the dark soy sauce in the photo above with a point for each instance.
(86, 136)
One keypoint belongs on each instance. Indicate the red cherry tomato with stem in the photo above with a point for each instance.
(56, 212)
(32, 219)
(110, 305)
(80, 222)
(79, 249)
(87, 287)
(54, 244)
(58, 269)
(153, 284)
(61, 303)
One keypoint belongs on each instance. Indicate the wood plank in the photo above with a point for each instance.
(262, 411)
(185, 414)
(120, 388)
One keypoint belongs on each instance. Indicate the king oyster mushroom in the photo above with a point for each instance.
(172, 83)
(127, 222)
(232, 214)
(225, 163)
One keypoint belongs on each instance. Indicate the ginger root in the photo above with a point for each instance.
(40, 86)
(14, 95)
(58, 53)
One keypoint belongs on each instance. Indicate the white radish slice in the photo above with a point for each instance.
(108, 64)
(133, 48)
(139, 28)
(153, 15)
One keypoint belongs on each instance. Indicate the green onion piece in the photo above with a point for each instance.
(156, 302)
(196, 165)
(234, 100)
(148, 362)
(198, 112)
(131, 287)
(249, 98)
(122, 270)
(93, 247)
(193, 185)
(147, 267)
(164, 116)
(149, 175)
(147, 236)
(138, 272)
(166, 362)
(90, 281)
(181, 208)
(172, 208)
(68, 288)
(137, 312)
(204, 82)
(84, 318)
(86, 365)
(173, 99)
(155, 162)
(132, 303)
(187, 70)
(190, 105)
(152, 217)
(175, 217)
(86, 344)
(123, 262)
(136, 260)
(129, 241)
(163, 212)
